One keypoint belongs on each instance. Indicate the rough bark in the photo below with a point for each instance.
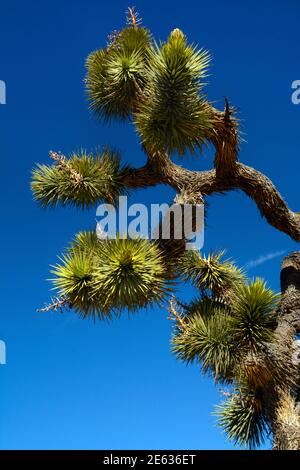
(281, 394)
(161, 170)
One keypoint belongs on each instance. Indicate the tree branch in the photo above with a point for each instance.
(161, 170)
(225, 140)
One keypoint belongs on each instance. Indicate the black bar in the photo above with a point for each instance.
(147, 458)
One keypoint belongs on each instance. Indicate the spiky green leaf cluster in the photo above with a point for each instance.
(229, 337)
(131, 272)
(254, 318)
(81, 180)
(209, 272)
(173, 116)
(73, 276)
(227, 332)
(206, 340)
(160, 85)
(74, 280)
(243, 420)
(103, 276)
(116, 75)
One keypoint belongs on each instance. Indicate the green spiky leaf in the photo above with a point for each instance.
(102, 276)
(83, 180)
(173, 116)
(242, 419)
(131, 273)
(209, 272)
(206, 340)
(86, 242)
(116, 76)
(74, 281)
(254, 319)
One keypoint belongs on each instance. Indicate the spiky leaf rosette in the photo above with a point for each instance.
(116, 76)
(206, 339)
(254, 320)
(74, 277)
(98, 277)
(173, 116)
(131, 272)
(86, 242)
(81, 180)
(74, 281)
(210, 272)
(242, 418)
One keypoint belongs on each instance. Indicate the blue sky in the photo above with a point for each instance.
(70, 383)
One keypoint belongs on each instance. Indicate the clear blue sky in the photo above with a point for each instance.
(70, 383)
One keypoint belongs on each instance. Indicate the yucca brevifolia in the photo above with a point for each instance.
(243, 334)
(240, 332)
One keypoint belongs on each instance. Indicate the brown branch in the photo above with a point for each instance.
(161, 170)
(175, 314)
(57, 303)
(225, 141)
(228, 175)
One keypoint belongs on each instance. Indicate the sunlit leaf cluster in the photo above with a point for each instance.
(101, 277)
(82, 180)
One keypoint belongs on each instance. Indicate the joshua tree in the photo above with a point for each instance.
(240, 332)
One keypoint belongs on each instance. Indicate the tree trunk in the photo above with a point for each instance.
(282, 394)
